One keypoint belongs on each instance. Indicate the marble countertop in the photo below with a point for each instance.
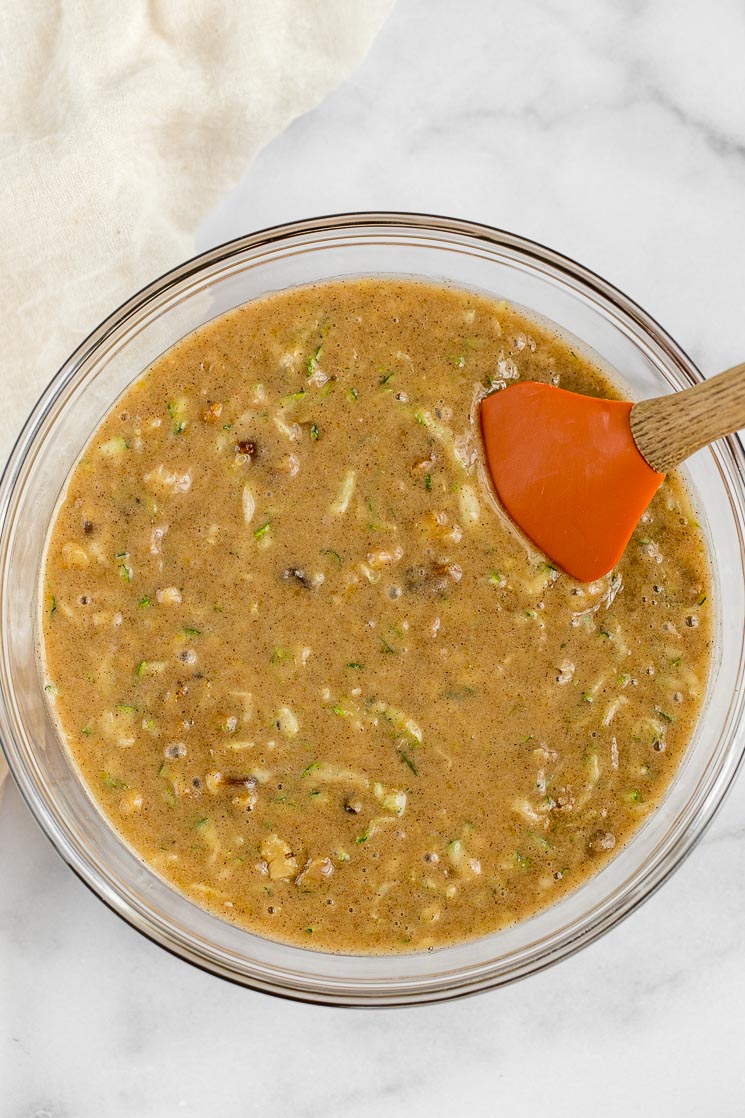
(615, 132)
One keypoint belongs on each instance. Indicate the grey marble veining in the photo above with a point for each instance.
(614, 131)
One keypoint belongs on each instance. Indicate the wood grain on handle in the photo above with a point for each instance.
(670, 428)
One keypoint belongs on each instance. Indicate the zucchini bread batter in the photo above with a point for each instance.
(307, 668)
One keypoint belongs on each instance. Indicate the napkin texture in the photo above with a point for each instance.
(121, 124)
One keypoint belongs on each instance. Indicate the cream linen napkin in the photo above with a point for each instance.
(121, 123)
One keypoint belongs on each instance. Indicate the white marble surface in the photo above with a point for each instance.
(614, 131)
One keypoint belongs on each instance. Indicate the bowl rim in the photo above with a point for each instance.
(423, 223)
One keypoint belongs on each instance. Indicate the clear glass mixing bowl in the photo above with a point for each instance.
(648, 362)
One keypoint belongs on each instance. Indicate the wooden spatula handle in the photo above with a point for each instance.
(670, 428)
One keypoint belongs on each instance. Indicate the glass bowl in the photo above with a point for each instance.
(647, 363)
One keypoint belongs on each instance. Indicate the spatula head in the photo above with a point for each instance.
(568, 471)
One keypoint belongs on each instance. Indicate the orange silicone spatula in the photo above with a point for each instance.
(576, 473)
